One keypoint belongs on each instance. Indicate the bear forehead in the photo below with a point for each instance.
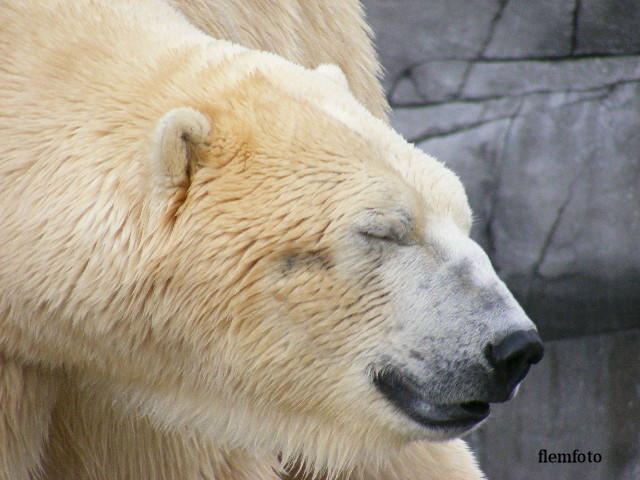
(307, 103)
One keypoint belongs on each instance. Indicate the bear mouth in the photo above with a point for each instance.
(410, 399)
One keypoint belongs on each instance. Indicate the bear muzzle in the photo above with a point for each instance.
(509, 358)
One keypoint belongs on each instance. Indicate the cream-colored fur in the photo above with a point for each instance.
(92, 440)
(309, 33)
(177, 295)
(27, 395)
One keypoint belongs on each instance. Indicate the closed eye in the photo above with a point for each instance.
(394, 228)
(389, 236)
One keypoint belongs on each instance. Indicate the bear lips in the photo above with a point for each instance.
(409, 398)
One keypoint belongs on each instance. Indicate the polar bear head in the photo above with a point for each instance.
(322, 269)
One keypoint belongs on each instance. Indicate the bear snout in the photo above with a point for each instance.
(511, 357)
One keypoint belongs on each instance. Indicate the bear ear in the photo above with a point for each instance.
(335, 73)
(176, 135)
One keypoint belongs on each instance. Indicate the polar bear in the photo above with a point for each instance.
(215, 262)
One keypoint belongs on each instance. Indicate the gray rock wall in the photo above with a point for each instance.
(536, 105)
(584, 396)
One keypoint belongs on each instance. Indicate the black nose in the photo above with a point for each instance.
(513, 355)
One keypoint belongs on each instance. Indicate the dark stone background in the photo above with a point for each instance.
(536, 105)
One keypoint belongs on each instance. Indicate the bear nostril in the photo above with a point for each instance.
(512, 356)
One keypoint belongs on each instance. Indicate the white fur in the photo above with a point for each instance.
(334, 73)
